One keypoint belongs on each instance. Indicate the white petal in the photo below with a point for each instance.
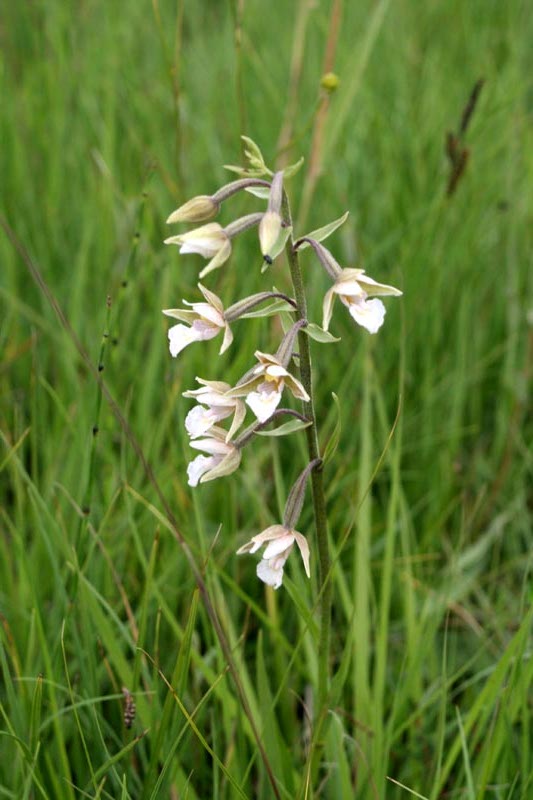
(349, 288)
(198, 467)
(204, 330)
(276, 371)
(179, 336)
(207, 312)
(368, 313)
(263, 403)
(303, 546)
(228, 338)
(206, 240)
(204, 247)
(269, 574)
(199, 419)
(278, 545)
(220, 257)
(212, 446)
(327, 307)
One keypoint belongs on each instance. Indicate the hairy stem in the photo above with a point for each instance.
(317, 481)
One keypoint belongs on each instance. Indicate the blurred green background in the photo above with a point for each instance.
(112, 114)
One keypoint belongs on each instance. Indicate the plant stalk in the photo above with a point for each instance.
(317, 480)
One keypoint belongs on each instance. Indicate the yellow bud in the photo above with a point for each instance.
(330, 82)
(196, 210)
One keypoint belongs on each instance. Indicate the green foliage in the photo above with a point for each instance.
(112, 115)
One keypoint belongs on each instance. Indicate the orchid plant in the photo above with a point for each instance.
(262, 387)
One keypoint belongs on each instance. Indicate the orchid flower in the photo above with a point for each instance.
(213, 406)
(213, 241)
(205, 321)
(264, 384)
(210, 241)
(279, 542)
(354, 287)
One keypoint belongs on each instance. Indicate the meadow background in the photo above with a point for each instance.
(111, 115)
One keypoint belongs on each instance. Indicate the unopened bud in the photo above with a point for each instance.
(198, 209)
(330, 82)
(269, 231)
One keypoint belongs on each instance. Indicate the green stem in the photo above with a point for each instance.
(317, 481)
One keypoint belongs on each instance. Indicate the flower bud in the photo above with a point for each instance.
(269, 231)
(330, 82)
(270, 225)
(198, 209)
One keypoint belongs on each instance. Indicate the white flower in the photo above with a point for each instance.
(263, 386)
(218, 406)
(279, 542)
(353, 287)
(210, 241)
(223, 458)
(205, 321)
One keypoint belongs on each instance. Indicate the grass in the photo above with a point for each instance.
(113, 114)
